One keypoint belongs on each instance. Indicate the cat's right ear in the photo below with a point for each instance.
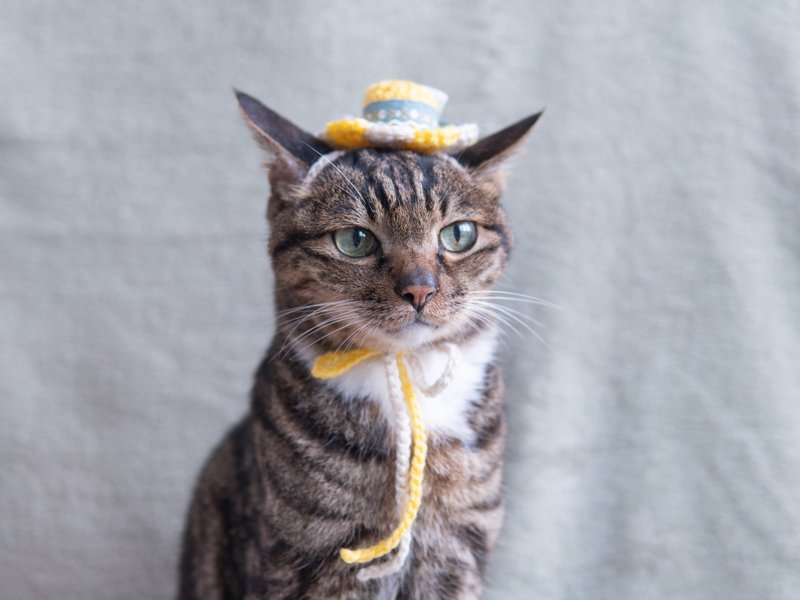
(486, 157)
(290, 150)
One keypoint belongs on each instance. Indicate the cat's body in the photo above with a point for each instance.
(309, 472)
(311, 469)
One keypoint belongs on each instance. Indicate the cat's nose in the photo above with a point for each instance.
(418, 290)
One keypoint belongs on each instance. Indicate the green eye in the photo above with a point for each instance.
(354, 241)
(459, 236)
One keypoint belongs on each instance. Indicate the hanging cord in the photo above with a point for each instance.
(409, 435)
(403, 443)
(437, 387)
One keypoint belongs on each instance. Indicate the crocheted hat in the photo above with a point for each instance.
(402, 115)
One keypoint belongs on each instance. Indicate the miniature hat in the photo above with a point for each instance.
(401, 115)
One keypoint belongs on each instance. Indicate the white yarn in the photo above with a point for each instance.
(402, 461)
(323, 161)
(403, 428)
(403, 444)
(438, 386)
(390, 566)
(398, 133)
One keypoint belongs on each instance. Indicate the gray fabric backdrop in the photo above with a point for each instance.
(654, 447)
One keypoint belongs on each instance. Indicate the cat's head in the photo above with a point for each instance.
(383, 249)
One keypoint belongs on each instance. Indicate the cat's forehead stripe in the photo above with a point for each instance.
(396, 179)
(326, 160)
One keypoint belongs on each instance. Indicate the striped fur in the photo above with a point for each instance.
(309, 471)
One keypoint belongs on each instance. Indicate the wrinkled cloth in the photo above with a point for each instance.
(654, 447)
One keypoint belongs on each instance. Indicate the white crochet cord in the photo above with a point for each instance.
(403, 444)
(323, 161)
(402, 461)
(436, 388)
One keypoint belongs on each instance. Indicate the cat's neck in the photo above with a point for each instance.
(446, 413)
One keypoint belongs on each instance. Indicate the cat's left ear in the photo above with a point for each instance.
(485, 158)
(290, 150)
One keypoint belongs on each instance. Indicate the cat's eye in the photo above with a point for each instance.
(355, 242)
(459, 237)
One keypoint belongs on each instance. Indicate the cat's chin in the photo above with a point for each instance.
(412, 336)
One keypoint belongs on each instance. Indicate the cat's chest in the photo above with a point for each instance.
(445, 413)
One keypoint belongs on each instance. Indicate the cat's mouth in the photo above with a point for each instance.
(412, 325)
(415, 332)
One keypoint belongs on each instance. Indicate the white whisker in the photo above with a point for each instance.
(328, 321)
(509, 311)
(337, 317)
(315, 313)
(352, 340)
(346, 178)
(507, 318)
(324, 337)
(296, 309)
(516, 297)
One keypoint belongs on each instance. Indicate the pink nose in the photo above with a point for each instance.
(418, 295)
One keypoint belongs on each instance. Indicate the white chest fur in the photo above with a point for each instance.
(445, 414)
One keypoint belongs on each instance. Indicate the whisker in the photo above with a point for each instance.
(308, 306)
(355, 312)
(328, 321)
(290, 334)
(316, 312)
(489, 323)
(291, 341)
(298, 321)
(492, 320)
(347, 179)
(320, 339)
(348, 192)
(370, 329)
(322, 305)
(351, 339)
(516, 297)
(369, 326)
(510, 312)
(509, 319)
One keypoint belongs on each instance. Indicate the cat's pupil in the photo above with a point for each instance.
(457, 232)
(358, 237)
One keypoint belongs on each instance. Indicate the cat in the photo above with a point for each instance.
(390, 250)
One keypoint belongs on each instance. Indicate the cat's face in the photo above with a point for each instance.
(397, 243)
(388, 250)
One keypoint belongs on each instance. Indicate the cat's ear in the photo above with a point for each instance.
(291, 151)
(485, 158)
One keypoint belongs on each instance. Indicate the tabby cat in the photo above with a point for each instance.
(381, 249)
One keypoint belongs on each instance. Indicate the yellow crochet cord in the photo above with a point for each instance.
(334, 364)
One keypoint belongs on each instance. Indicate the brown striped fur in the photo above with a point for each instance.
(306, 473)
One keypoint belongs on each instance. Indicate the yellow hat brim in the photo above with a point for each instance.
(351, 134)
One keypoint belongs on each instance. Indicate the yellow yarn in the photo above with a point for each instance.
(347, 134)
(334, 364)
(398, 89)
(427, 141)
(350, 134)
